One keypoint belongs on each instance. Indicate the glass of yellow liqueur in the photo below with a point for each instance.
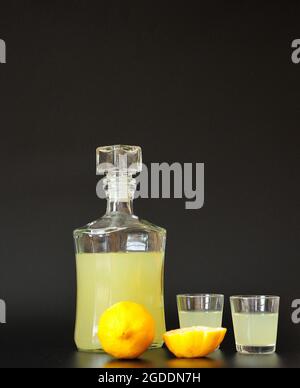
(255, 321)
(200, 310)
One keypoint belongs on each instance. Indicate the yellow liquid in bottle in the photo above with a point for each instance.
(107, 278)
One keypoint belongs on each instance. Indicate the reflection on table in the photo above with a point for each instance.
(156, 358)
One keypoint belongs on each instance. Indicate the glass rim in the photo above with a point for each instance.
(199, 295)
(254, 297)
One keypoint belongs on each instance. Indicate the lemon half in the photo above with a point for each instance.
(195, 341)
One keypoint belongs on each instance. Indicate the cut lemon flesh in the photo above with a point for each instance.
(195, 341)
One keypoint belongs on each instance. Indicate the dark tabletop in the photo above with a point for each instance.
(49, 346)
(156, 358)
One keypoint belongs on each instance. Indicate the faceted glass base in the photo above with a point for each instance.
(152, 346)
(156, 345)
(243, 349)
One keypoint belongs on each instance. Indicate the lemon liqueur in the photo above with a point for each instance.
(119, 257)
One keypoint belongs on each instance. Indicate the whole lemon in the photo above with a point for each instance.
(126, 329)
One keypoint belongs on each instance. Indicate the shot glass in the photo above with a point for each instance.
(255, 321)
(200, 310)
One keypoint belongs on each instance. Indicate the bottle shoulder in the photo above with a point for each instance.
(119, 232)
(116, 222)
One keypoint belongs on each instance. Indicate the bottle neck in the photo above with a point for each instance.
(119, 188)
(114, 205)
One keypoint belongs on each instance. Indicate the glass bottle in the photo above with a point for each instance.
(119, 257)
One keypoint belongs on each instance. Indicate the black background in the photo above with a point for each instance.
(208, 82)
